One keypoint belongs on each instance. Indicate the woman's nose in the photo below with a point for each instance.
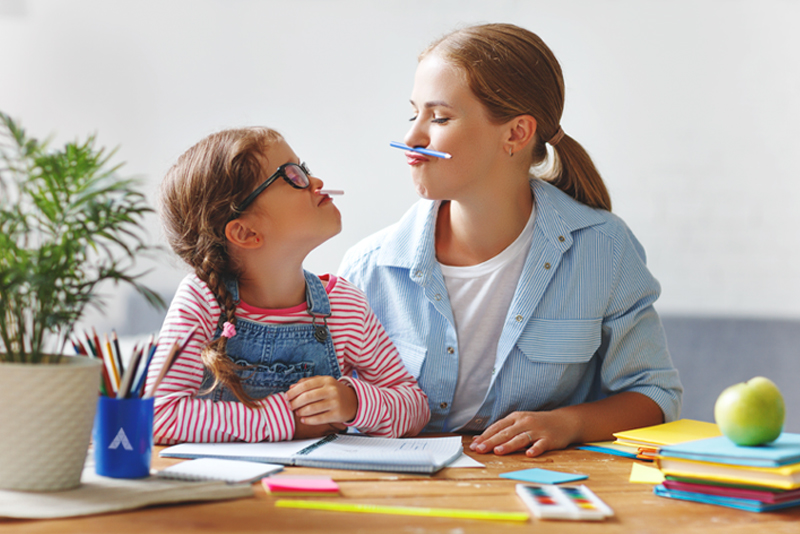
(416, 135)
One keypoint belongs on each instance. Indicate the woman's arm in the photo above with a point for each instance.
(539, 432)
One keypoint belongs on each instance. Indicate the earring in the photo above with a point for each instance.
(511, 152)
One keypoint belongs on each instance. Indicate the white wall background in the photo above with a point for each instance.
(690, 108)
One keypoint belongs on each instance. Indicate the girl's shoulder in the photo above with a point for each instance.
(342, 292)
(194, 292)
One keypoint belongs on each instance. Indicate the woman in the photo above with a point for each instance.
(520, 303)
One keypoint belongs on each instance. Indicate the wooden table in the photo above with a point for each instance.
(637, 509)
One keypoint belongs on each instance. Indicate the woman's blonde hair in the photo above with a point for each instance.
(198, 197)
(512, 72)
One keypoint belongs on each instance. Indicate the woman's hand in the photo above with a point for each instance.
(592, 421)
(537, 432)
(322, 399)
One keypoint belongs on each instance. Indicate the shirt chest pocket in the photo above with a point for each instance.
(560, 341)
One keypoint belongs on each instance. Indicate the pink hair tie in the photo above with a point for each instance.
(228, 330)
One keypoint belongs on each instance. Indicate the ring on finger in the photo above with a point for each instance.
(529, 436)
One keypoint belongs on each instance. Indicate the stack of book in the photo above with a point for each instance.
(717, 471)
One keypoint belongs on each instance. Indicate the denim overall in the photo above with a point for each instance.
(277, 356)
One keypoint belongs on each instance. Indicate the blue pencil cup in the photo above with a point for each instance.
(123, 437)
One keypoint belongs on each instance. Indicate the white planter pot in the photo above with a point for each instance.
(46, 417)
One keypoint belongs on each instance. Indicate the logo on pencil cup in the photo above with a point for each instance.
(121, 439)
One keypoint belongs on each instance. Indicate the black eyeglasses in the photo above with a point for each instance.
(295, 175)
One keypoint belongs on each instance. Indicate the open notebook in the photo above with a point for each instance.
(337, 451)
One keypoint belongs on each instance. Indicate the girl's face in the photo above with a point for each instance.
(298, 218)
(449, 118)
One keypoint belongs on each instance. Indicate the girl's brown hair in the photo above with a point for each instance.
(198, 197)
(514, 73)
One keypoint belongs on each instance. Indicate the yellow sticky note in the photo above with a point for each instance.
(645, 474)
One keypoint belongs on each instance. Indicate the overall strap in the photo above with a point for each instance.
(316, 296)
(318, 305)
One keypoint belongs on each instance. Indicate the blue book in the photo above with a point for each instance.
(731, 502)
(783, 451)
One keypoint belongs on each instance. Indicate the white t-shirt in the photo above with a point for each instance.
(480, 296)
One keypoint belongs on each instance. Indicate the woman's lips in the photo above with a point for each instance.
(415, 158)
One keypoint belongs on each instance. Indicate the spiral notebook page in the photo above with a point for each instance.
(405, 451)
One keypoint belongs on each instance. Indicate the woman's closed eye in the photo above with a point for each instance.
(437, 120)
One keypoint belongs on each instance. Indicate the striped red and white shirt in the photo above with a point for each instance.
(390, 402)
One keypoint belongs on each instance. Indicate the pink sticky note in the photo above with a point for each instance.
(290, 484)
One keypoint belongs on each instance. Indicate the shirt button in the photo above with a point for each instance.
(443, 405)
(518, 318)
(437, 296)
(450, 350)
(561, 238)
(546, 265)
(493, 371)
(417, 273)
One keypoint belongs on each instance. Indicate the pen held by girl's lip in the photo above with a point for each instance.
(331, 192)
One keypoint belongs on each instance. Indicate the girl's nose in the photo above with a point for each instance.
(314, 183)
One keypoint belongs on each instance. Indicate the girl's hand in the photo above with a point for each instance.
(302, 431)
(537, 432)
(322, 399)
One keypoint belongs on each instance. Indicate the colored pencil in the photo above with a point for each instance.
(130, 372)
(138, 388)
(172, 356)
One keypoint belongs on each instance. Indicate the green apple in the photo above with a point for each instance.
(751, 413)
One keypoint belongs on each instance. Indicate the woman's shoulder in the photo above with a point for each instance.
(403, 234)
(559, 209)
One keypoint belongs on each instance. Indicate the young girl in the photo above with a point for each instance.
(276, 347)
(521, 304)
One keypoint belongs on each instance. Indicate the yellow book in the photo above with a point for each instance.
(785, 477)
(672, 433)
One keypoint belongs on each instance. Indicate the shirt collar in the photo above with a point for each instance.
(410, 242)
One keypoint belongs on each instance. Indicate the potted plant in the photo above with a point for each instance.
(68, 224)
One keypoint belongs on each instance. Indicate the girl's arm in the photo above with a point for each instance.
(390, 402)
(178, 416)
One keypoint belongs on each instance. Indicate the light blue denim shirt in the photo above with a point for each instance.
(581, 325)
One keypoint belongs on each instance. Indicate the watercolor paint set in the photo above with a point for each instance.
(563, 502)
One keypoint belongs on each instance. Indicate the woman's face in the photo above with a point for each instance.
(449, 118)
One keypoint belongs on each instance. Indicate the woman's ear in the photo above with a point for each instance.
(240, 234)
(521, 130)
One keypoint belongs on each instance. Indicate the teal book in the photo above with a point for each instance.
(783, 451)
(749, 505)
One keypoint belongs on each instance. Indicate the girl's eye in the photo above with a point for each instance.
(440, 120)
(412, 119)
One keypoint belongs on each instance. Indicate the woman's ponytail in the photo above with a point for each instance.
(574, 173)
